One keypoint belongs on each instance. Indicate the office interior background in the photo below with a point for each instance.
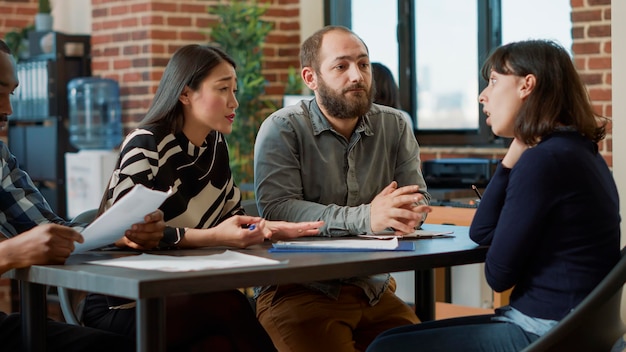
(436, 61)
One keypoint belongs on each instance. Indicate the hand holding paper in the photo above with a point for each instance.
(129, 210)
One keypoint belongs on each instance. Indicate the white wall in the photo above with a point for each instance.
(311, 17)
(618, 33)
(70, 16)
(618, 30)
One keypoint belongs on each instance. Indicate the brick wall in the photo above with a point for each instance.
(591, 33)
(16, 14)
(132, 42)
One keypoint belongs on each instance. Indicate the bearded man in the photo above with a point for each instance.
(353, 164)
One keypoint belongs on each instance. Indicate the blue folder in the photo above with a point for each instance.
(402, 246)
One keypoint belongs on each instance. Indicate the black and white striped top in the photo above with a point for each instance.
(204, 193)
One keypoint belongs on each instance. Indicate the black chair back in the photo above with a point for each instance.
(596, 324)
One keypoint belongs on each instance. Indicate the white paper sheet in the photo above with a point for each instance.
(129, 210)
(228, 259)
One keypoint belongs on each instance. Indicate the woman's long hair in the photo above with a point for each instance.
(387, 92)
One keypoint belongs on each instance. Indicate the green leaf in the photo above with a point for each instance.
(241, 32)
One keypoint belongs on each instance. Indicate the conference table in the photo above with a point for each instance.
(151, 287)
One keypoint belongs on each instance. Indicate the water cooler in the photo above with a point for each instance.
(95, 128)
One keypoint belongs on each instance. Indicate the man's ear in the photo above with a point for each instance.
(309, 78)
(528, 85)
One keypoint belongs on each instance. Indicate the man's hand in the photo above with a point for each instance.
(397, 208)
(144, 235)
(44, 244)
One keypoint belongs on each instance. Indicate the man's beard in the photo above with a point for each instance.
(342, 107)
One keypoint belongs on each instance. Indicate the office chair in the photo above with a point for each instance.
(595, 324)
(71, 304)
(71, 300)
(249, 206)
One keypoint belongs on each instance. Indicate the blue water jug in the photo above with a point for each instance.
(95, 113)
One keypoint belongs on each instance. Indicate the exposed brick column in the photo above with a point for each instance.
(282, 48)
(591, 33)
(132, 42)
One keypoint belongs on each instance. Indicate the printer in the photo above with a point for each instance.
(459, 173)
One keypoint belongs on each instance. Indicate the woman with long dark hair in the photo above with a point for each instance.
(180, 144)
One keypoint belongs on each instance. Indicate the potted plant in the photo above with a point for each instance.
(17, 40)
(241, 33)
(43, 18)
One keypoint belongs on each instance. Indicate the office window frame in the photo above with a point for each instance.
(339, 12)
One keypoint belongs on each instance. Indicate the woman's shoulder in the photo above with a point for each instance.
(556, 154)
(149, 138)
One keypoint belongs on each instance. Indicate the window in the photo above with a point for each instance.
(381, 48)
(447, 39)
(435, 50)
(445, 64)
(550, 20)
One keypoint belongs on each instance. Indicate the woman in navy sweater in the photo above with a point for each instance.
(550, 213)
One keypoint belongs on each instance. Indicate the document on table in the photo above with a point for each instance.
(228, 259)
(340, 245)
(413, 235)
(129, 210)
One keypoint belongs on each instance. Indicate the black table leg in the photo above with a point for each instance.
(34, 312)
(151, 325)
(425, 294)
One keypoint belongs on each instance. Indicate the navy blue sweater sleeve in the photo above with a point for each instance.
(486, 218)
(514, 206)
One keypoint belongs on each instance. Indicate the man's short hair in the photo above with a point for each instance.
(309, 50)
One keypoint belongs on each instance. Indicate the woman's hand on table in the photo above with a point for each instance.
(283, 230)
(239, 231)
